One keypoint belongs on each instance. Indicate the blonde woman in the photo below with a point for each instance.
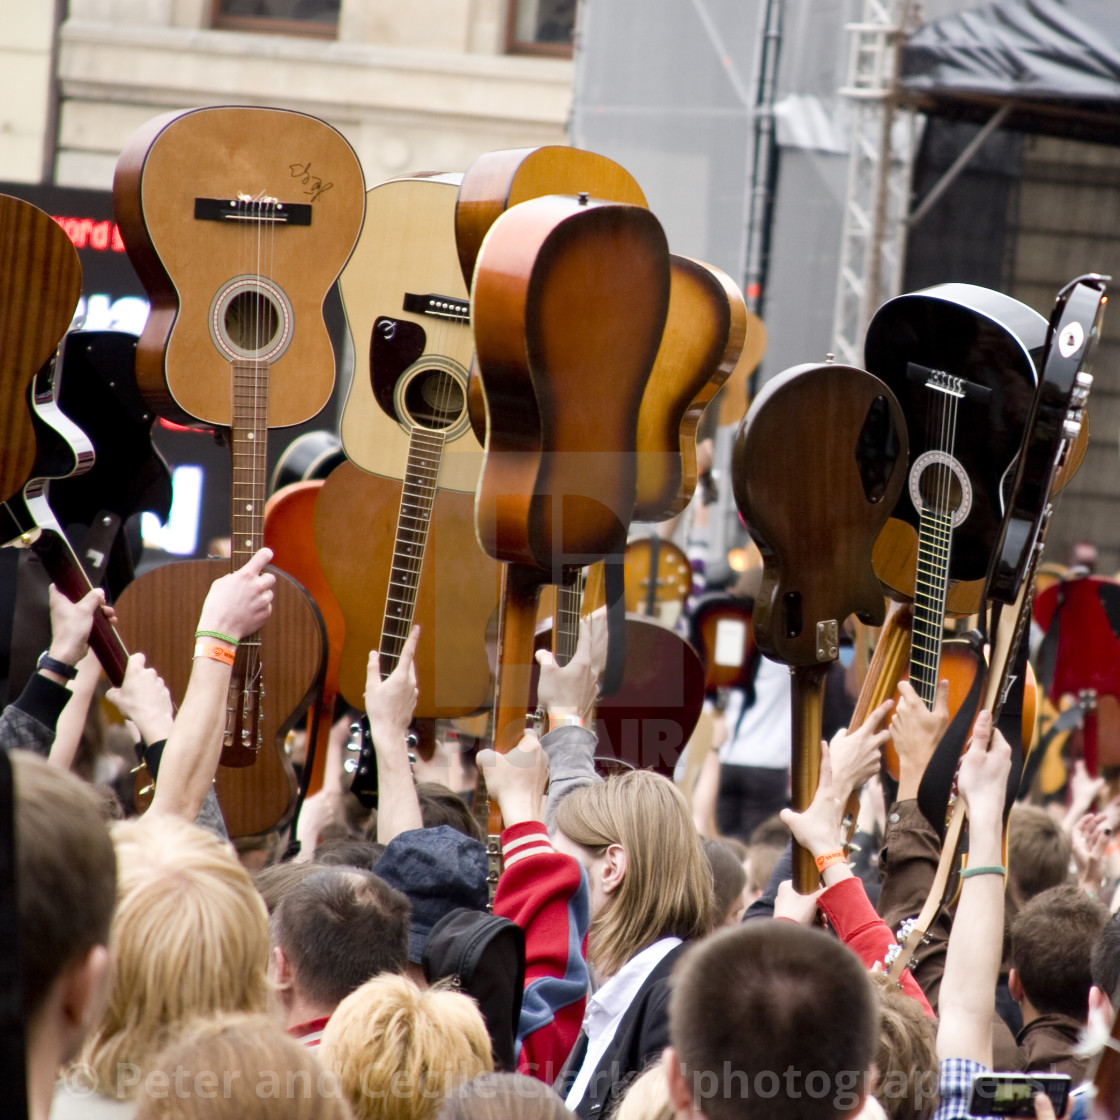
(400, 1050)
(651, 894)
(240, 1067)
(189, 940)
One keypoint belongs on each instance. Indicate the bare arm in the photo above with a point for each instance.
(237, 604)
(72, 721)
(389, 706)
(967, 998)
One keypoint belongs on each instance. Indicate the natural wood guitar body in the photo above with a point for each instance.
(456, 589)
(214, 284)
(40, 282)
(158, 614)
(408, 350)
(703, 338)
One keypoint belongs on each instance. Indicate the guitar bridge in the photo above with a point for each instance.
(250, 210)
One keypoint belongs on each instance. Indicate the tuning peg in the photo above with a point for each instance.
(350, 765)
(1071, 428)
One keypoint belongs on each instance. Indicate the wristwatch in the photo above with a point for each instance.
(53, 665)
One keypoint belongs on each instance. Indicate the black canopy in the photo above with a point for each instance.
(1056, 61)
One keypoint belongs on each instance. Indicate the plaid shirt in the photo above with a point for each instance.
(956, 1087)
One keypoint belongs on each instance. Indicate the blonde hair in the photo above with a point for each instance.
(667, 888)
(906, 1082)
(400, 1050)
(647, 1098)
(264, 1074)
(189, 939)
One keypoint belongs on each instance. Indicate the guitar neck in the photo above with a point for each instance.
(808, 706)
(565, 626)
(517, 621)
(65, 570)
(418, 493)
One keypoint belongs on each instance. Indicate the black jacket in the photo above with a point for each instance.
(641, 1036)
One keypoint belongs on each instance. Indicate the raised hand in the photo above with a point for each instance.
(239, 603)
(570, 689)
(916, 730)
(390, 703)
(856, 755)
(144, 699)
(72, 622)
(516, 781)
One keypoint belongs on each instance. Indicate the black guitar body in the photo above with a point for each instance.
(992, 342)
(97, 391)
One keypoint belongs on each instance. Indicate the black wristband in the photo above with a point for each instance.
(53, 665)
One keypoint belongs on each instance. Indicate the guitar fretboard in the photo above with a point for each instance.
(930, 588)
(425, 452)
(249, 454)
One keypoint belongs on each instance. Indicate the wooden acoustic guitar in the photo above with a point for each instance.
(816, 534)
(568, 305)
(406, 421)
(40, 283)
(238, 221)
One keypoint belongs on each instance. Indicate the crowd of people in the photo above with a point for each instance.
(627, 965)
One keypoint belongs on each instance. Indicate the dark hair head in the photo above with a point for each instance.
(1038, 852)
(339, 928)
(503, 1096)
(66, 873)
(1052, 941)
(1104, 963)
(440, 805)
(349, 852)
(728, 878)
(756, 1001)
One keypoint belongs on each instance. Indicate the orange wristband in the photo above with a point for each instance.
(829, 858)
(214, 651)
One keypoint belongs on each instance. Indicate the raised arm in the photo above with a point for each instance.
(389, 707)
(972, 962)
(544, 892)
(236, 605)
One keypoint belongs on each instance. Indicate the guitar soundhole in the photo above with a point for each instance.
(251, 321)
(939, 485)
(433, 396)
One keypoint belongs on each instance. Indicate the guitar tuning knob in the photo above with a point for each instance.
(1084, 380)
(350, 765)
(1071, 428)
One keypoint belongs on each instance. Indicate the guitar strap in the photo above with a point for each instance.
(936, 787)
(614, 584)
(97, 545)
(13, 1058)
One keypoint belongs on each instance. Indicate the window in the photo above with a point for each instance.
(541, 26)
(318, 18)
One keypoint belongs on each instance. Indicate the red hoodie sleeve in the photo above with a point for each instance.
(545, 893)
(852, 916)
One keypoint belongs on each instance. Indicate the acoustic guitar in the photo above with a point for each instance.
(238, 221)
(961, 360)
(566, 291)
(1051, 434)
(289, 517)
(39, 288)
(406, 421)
(816, 535)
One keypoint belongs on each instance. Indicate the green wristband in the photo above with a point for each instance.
(217, 634)
(968, 872)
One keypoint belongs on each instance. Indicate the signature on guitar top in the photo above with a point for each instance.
(237, 220)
